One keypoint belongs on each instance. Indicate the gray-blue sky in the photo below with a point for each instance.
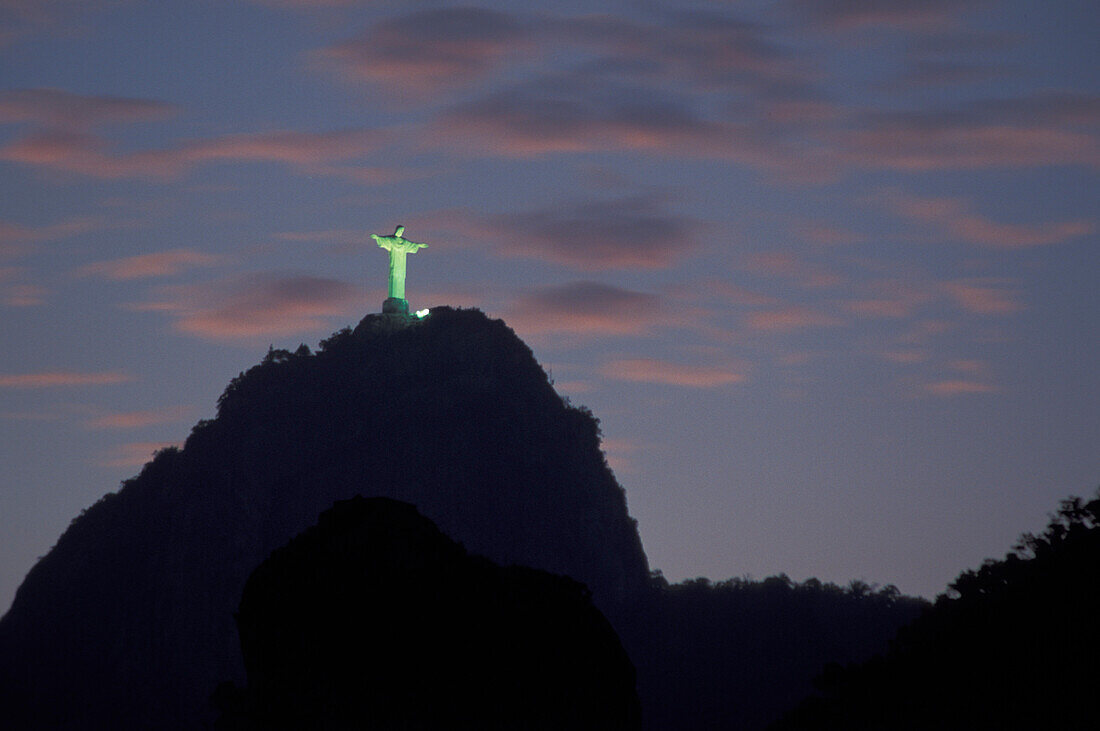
(825, 271)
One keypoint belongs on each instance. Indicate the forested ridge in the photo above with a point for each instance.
(1013, 644)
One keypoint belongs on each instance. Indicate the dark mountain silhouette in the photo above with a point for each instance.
(737, 653)
(373, 619)
(128, 621)
(1014, 644)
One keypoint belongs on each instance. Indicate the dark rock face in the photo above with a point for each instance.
(128, 621)
(373, 619)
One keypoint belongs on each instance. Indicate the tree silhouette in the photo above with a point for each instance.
(1013, 644)
(737, 653)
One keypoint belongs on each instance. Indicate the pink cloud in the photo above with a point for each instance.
(634, 96)
(434, 50)
(257, 306)
(702, 48)
(904, 298)
(83, 154)
(366, 174)
(957, 387)
(292, 148)
(969, 138)
(536, 121)
(649, 370)
(159, 264)
(134, 454)
(50, 379)
(573, 387)
(24, 295)
(790, 318)
(1043, 108)
(428, 50)
(588, 308)
(64, 110)
(982, 296)
(954, 217)
(584, 113)
(136, 419)
(629, 233)
(618, 453)
(1003, 235)
(15, 233)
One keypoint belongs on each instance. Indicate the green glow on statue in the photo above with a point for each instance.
(398, 246)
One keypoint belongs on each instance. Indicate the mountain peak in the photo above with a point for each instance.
(130, 615)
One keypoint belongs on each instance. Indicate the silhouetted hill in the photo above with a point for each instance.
(127, 622)
(1015, 644)
(737, 653)
(373, 619)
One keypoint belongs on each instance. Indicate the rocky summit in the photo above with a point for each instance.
(128, 621)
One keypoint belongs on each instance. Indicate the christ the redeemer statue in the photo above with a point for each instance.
(398, 246)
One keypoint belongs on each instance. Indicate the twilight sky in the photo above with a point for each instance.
(826, 270)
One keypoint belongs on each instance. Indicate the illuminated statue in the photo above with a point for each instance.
(398, 246)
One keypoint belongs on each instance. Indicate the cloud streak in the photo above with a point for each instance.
(652, 370)
(136, 419)
(24, 295)
(588, 308)
(627, 233)
(88, 155)
(256, 306)
(1036, 130)
(956, 387)
(438, 49)
(955, 219)
(13, 234)
(428, 51)
(53, 379)
(983, 296)
(582, 112)
(788, 319)
(63, 110)
(144, 266)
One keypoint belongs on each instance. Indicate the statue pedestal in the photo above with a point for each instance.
(395, 306)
